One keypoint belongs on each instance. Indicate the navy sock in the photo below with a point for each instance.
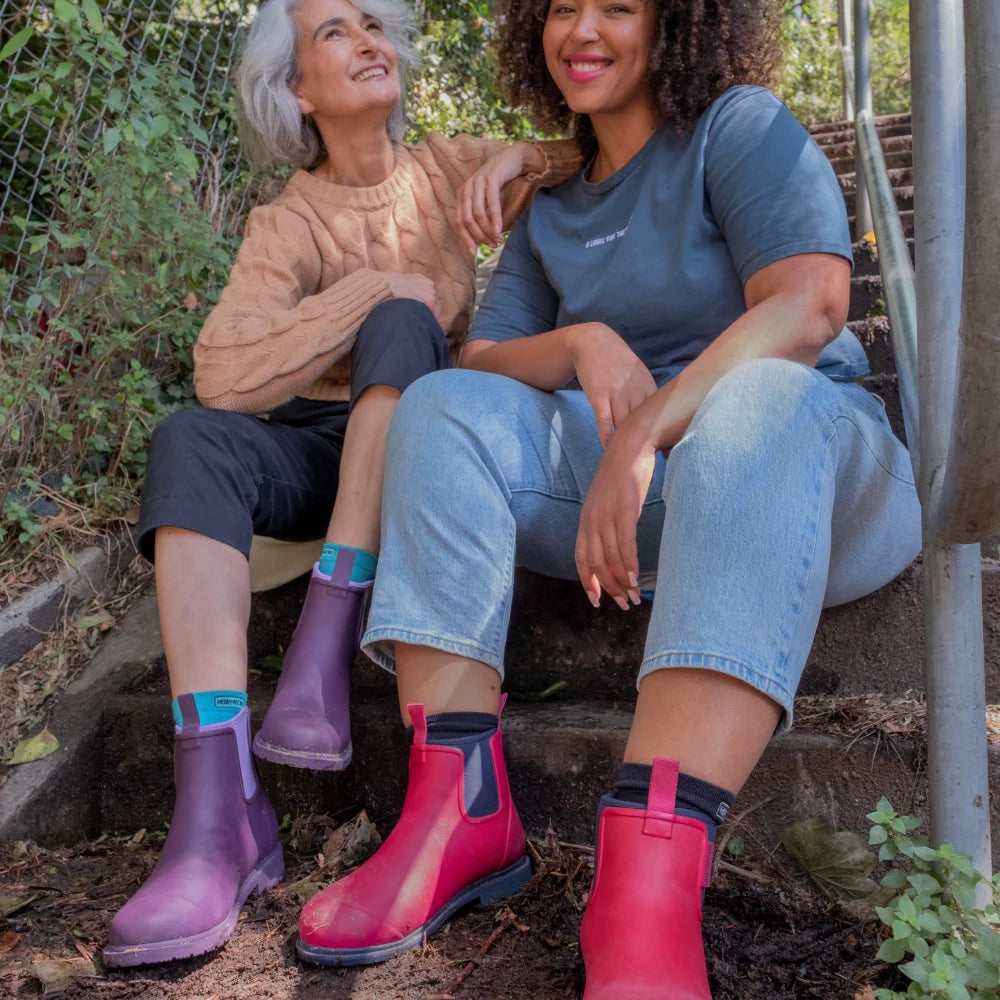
(698, 799)
(470, 732)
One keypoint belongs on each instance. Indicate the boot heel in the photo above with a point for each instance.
(270, 871)
(506, 883)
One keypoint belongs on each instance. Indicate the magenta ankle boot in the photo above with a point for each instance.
(309, 721)
(222, 846)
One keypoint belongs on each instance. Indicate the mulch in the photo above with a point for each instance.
(766, 935)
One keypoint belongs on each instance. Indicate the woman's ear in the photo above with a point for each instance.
(305, 105)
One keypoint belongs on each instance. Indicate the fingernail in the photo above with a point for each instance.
(622, 603)
(596, 601)
(633, 596)
(633, 579)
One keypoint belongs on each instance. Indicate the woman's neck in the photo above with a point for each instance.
(620, 136)
(357, 157)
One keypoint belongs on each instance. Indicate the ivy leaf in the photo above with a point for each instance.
(34, 748)
(838, 861)
(111, 139)
(17, 42)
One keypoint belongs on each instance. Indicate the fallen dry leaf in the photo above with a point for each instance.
(350, 844)
(838, 861)
(8, 940)
(11, 904)
(866, 994)
(131, 516)
(34, 748)
(57, 974)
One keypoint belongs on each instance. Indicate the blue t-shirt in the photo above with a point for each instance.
(660, 251)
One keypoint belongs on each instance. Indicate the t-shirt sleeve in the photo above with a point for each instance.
(519, 301)
(770, 188)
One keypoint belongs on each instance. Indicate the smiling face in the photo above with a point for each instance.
(347, 66)
(597, 52)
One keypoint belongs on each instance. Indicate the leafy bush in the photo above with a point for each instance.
(106, 294)
(811, 80)
(952, 946)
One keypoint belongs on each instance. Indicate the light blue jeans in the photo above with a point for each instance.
(787, 493)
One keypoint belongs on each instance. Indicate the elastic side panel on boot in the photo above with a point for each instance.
(482, 797)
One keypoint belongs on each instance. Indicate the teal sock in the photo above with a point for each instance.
(365, 563)
(213, 706)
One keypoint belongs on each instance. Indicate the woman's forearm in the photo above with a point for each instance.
(544, 361)
(782, 326)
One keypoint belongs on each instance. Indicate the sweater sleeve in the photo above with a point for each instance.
(274, 332)
(463, 155)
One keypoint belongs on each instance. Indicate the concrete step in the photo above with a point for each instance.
(899, 177)
(867, 294)
(891, 131)
(904, 199)
(561, 757)
(881, 122)
(872, 644)
(906, 218)
(846, 148)
(866, 257)
(894, 161)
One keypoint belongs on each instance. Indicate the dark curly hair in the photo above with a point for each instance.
(700, 49)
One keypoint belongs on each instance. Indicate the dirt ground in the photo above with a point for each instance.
(766, 936)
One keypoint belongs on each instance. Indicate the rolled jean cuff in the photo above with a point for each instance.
(377, 643)
(741, 670)
(230, 527)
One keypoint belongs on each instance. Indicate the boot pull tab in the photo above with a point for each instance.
(341, 575)
(659, 820)
(419, 719)
(189, 712)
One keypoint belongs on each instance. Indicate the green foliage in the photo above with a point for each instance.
(811, 80)
(951, 947)
(107, 276)
(456, 89)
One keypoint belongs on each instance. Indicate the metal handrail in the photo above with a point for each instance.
(897, 275)
(965, 498)
(924, 320)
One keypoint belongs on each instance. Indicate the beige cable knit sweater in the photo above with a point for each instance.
(310, 270)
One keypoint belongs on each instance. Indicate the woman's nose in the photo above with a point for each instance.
(585, 26)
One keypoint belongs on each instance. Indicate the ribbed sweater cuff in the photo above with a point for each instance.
(562, 161)
(355, 295)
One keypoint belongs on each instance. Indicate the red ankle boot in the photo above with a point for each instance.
(436, 860)
(641, 934)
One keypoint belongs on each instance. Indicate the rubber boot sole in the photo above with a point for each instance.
(302, 758)
(265, 876)
(503, 883)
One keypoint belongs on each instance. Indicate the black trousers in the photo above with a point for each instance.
(230, 476)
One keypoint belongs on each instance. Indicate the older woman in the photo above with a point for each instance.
(354, 282)
(694, 281)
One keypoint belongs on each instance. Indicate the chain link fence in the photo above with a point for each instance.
(195, 39)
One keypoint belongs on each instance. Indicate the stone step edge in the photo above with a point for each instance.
(132, 657)
(25, 622)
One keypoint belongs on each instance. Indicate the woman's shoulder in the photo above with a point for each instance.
(746, 113)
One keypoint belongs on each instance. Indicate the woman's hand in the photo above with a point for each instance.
(611, 375)
(606, 553)
(480, 216)
(412, 286)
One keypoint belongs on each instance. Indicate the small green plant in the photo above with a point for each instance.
(944, 943)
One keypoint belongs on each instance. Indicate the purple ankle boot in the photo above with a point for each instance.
(222, 845)
(309, 721)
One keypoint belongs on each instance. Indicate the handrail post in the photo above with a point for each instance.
(846, 42)
(862, 102)
(956, 734)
